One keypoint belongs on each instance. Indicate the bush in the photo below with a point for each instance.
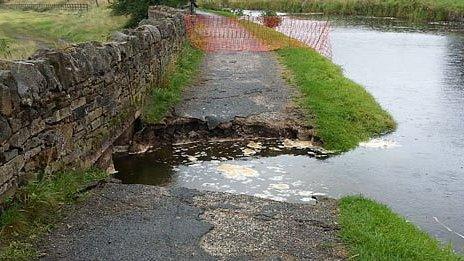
(138, 9)
(268, 13)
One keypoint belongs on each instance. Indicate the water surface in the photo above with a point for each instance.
(417, 74)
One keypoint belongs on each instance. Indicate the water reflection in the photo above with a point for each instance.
(234, 167)
(417, 75)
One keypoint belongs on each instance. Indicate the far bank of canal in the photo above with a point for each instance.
(417, 75)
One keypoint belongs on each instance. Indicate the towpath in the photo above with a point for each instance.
(140, 222)
(243, 86)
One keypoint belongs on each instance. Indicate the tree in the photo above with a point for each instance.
(138, 9)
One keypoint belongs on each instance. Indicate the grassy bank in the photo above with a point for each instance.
(89, 2)
(372, 231)
(414, 10)
(343, 112)
(179, 75)
(23, 32)
(36, 207)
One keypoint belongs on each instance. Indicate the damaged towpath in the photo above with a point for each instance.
(240, 85)
(138, 222)
(238, 94)
(141, 222)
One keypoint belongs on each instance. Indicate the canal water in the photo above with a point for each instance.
(417, 74)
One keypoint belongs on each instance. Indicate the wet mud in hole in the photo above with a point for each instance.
(239, 111)
(228, 165)
(177, 130)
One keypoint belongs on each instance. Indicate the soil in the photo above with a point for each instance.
(239, 95)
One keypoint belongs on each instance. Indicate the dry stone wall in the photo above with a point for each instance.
(65, 108)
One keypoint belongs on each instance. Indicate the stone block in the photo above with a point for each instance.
(11, 168)
(77, 103)
(5, 130)
(47, 70)
(59, 115)
(8, 155)
(31, 153)
(94, 114)
(60, 107)
(30, 82)
(64, 67)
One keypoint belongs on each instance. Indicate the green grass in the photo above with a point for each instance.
(344, 113)
(181, 73)
(372, 231)
(414, 10)
(89, 2)
(36, 207)
(26, 31)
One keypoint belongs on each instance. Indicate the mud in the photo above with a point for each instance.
(181, 130)
(238, 95)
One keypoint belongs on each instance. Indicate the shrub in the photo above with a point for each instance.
(267, 13)
(138, 9)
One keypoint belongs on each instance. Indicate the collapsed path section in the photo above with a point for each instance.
(233, 85)
(241, 92)
(238, 95)
(137, 222)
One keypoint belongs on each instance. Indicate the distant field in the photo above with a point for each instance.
(90, 2)
(23, 32)
(416, 10)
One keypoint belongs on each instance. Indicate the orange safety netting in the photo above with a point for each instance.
(223, 34)
(217, 33)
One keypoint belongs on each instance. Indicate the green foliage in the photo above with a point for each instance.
(178, 76)
(267, 13)
(25, 31)
(138, 9)
(238, 12)
(5, 49)
(414, 10)
(343, 112)
(373, 232)
(36, 207)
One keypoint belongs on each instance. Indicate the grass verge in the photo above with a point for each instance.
(36, 207)
(342, 111)
(179, 75)
(89, 2)
(373, 232)
(413, 10)
(25, 31)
